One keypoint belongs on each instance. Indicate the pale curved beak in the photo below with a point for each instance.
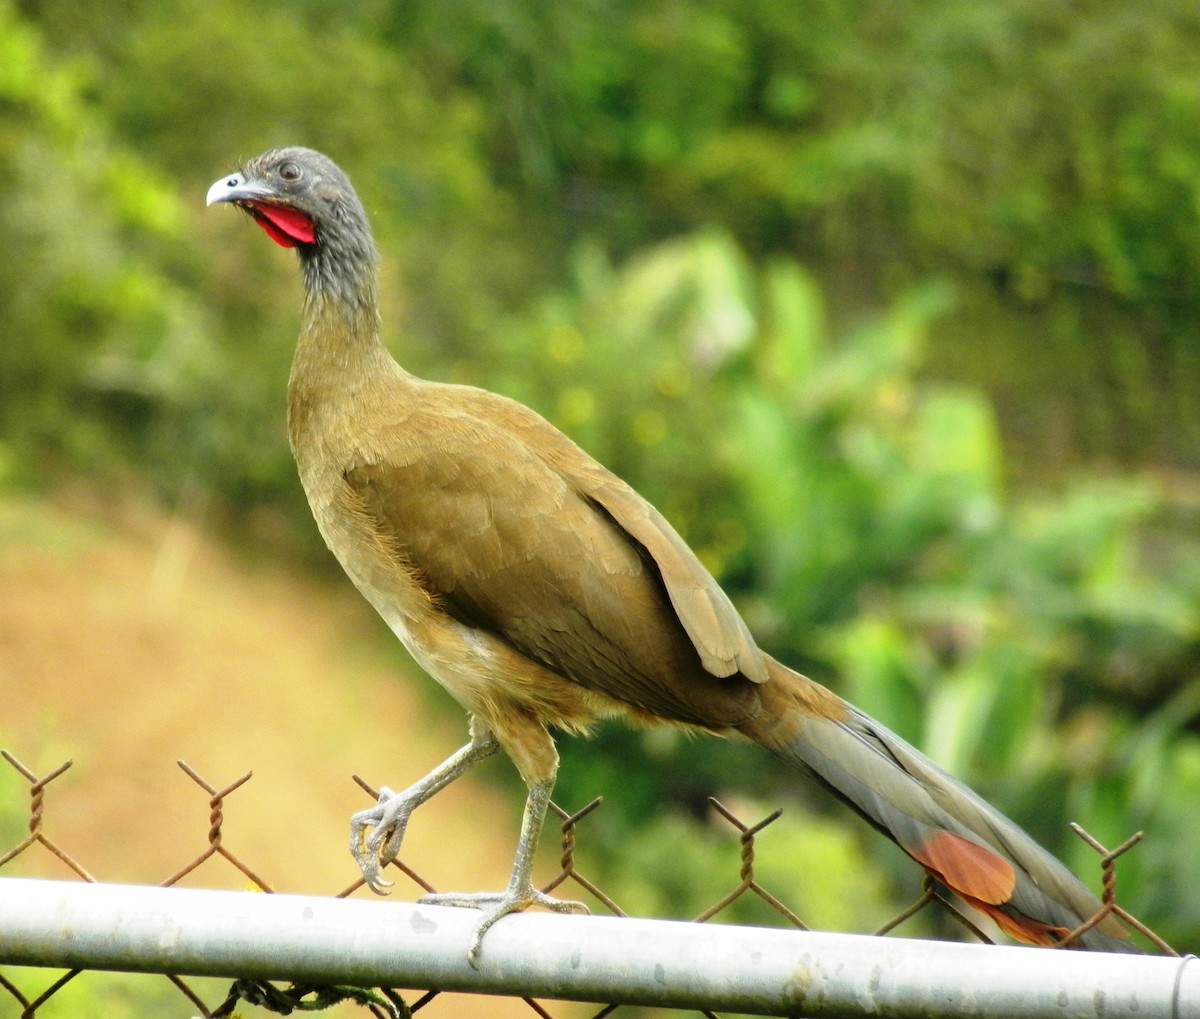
(235, 188)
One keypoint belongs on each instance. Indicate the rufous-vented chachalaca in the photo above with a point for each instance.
(543, 592)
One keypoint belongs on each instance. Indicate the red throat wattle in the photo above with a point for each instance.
(286, 227)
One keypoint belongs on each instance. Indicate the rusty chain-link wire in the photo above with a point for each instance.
(386, 1002)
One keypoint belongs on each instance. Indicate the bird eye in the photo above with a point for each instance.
(290, 172)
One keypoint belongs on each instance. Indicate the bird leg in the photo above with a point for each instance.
(376, 834)
(520, 892)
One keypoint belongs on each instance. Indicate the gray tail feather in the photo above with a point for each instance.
(908, 798)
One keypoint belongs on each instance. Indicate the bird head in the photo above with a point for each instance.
(304, 201)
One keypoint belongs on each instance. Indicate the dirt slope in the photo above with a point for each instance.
(128, 640)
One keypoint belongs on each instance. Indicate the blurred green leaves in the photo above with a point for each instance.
(89, 305)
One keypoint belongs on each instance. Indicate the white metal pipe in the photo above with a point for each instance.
(587, 958)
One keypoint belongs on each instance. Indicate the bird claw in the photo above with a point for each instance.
(376, 835)
(497, 906)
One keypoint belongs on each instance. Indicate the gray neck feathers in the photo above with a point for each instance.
(340, 269)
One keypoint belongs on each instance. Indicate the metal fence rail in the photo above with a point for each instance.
(757, 971)
(334, 948)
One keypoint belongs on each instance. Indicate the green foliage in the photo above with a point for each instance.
(116, 995)
(882, 146)
(674, 867)
(105, 355)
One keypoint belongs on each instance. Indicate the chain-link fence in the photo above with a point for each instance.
(19, 988)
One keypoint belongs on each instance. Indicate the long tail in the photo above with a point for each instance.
(966, 844)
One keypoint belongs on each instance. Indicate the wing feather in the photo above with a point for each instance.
(517, 531)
